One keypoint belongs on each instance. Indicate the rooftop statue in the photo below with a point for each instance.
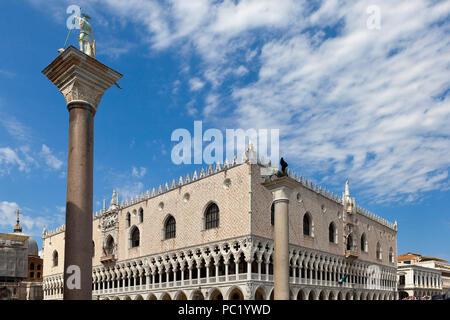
(283, 171)
(86, 37)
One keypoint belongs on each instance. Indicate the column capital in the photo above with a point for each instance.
(81, 79)
(281, 188)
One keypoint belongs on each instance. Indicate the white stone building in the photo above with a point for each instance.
(420, 276)
(210, 236)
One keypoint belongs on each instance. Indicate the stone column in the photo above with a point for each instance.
(82, 80)
(226, 271)
(153, 279)
(259, 269)
(182, 273)
(281, 190)
(190, 274)
(216, 264)
(267, 269)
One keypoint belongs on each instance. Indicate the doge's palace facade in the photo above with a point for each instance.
(210, 236)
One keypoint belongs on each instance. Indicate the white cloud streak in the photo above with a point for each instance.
(31, 224)
(51, 160)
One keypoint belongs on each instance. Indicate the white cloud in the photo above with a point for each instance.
(241, 71)
(32, 224)
(8, 159)
(367, 104)
(212, 102)
(196, 84)
(359, 103)
(351, 106)
(138, 172)
(190, 107)
(8, 214)
(15, 128)
(7, 73)
(130, 190)
(52, 161)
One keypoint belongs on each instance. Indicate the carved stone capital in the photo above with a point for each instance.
(81, 79)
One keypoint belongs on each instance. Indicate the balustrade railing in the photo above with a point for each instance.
(234, 277)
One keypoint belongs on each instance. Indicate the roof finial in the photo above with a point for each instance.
(114, 200)
(17, 227)
(347, 190)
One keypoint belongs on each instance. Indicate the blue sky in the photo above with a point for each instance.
(350, 101)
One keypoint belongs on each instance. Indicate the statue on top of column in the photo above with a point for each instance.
(86, 37)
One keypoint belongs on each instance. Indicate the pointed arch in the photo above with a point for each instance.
(109, 245)
(349, 242)
(308, 225)
(236, 294)
(211, 216)
(312, 295)
(128, 220)
(216, 294)
(379, 251)
(55, 258)
(169, 227)
(332, 234)
(322, 295)
(363, 243)
(180, 295)
(301, 295)
(260, 293)
(165, 296)
(151, 296)
(134, 237)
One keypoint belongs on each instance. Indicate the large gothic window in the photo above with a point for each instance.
(307, 225)
(378, 253)
(363, 243)
(332, 233)
(135, 235)
(212, 216)
(128, 219)
(349, 242)
(109, 246)
(170, 228)
(55, 258)
(391, 255)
